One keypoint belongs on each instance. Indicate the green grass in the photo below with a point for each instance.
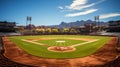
(41, 51)
(68, 42)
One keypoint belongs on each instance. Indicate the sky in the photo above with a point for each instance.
(53, 12)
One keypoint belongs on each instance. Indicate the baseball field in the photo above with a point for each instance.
(60, 46)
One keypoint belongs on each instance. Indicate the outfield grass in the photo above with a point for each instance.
(41, 51)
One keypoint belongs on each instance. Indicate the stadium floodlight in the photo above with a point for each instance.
(28, 19)
(97, 19)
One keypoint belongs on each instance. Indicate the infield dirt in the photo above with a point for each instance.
(106, 54)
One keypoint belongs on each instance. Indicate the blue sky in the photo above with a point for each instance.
(52, 12)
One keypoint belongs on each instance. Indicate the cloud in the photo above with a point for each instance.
(104, 16)
(77, 3)
(60, 7)
(82, 4)
(81, 13)
(81, 7)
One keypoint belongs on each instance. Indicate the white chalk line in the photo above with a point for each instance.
(84, 43)
(32, 42)
(71, 46)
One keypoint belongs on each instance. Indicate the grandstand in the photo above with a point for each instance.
(7, 26)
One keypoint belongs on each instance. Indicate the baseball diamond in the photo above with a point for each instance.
(60, 46)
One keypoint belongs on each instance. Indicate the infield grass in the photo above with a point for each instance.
(67, 42)
(41, 51)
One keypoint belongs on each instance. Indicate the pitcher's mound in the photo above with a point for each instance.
(61, 48)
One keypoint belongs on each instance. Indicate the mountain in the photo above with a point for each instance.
(74, 24)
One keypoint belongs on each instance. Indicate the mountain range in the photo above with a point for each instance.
(75, 24)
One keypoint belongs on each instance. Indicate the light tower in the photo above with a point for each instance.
(28, 20)
(97, 22)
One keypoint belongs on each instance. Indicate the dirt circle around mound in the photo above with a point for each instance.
(104, 55)
(61, 49)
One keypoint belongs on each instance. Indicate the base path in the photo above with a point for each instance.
(61, 48)
(106, 54)
(89, 41)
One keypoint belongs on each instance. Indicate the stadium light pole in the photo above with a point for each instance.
(97, 21)
(29, 20)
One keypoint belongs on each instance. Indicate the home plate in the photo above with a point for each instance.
(60, 41)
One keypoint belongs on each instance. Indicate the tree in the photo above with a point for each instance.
(73, 31)
(55, 30)
(66, 30)
(48, 30)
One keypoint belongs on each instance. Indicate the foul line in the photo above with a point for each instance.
(71, 46)
(32, 42)
(84, 43)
